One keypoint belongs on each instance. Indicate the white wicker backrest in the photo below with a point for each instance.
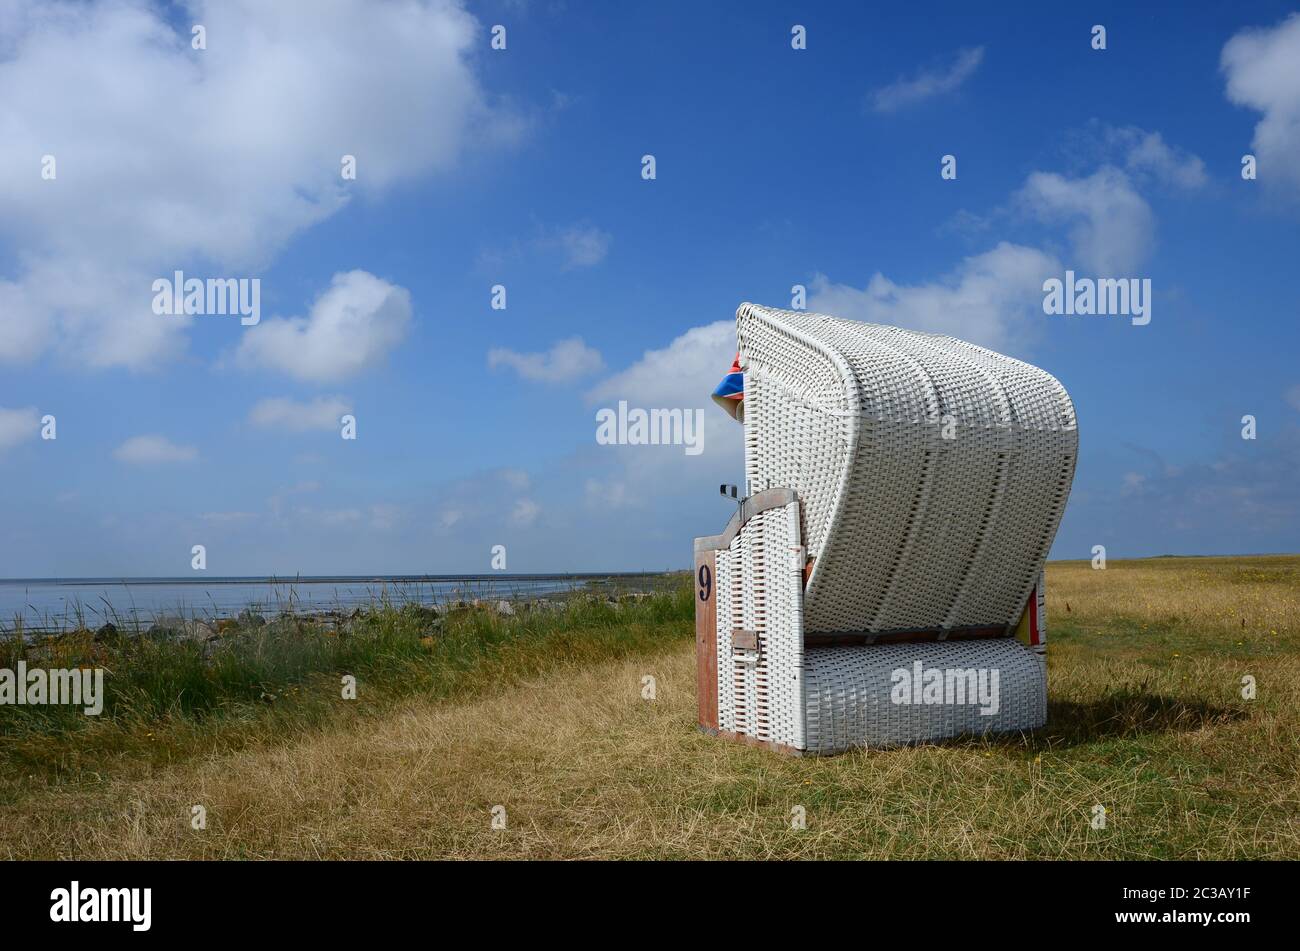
(910, 530)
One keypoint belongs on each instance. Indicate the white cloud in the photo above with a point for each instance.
(1243, 500)
(153, 450)
(227, 518)
(351, 327)
(582, 245)
(525, 512)
(613, 494)
(1262, 67)
(928, 83)
(1133, 482)
(17, 425)
(568, 360)
(574, 246)
(1111, 226)
(485, 504)
(323, 412)
(678, 376)
(517, 479)
(1147, 153)
(24, 329)
(384, 517)
(209, 161)
(330, 517)
(1111, 220)
(1293, 397)
(995, 298)
(991, 299)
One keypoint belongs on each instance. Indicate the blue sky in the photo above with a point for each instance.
(522, 167)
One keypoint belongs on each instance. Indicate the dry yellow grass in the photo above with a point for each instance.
(1146, 719)
(1235, 598)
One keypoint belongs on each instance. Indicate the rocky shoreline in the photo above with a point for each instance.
(210, 631)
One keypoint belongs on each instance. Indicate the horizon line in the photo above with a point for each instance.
(325, 579)
(522, 576)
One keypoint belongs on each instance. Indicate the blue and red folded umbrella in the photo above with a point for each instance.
(730, 393)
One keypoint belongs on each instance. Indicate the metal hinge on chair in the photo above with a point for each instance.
(798, 558)
(742, 640)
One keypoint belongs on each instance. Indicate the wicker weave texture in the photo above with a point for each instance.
(852, 692)
(760, 589)
(909, 529)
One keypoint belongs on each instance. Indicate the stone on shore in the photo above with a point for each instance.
(182, 629)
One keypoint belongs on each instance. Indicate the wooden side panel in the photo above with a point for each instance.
(706, 637)
(760, 744)
(1032, 629)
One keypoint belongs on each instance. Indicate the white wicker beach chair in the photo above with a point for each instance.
(882, 579)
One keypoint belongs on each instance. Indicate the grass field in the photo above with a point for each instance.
(544, 717)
